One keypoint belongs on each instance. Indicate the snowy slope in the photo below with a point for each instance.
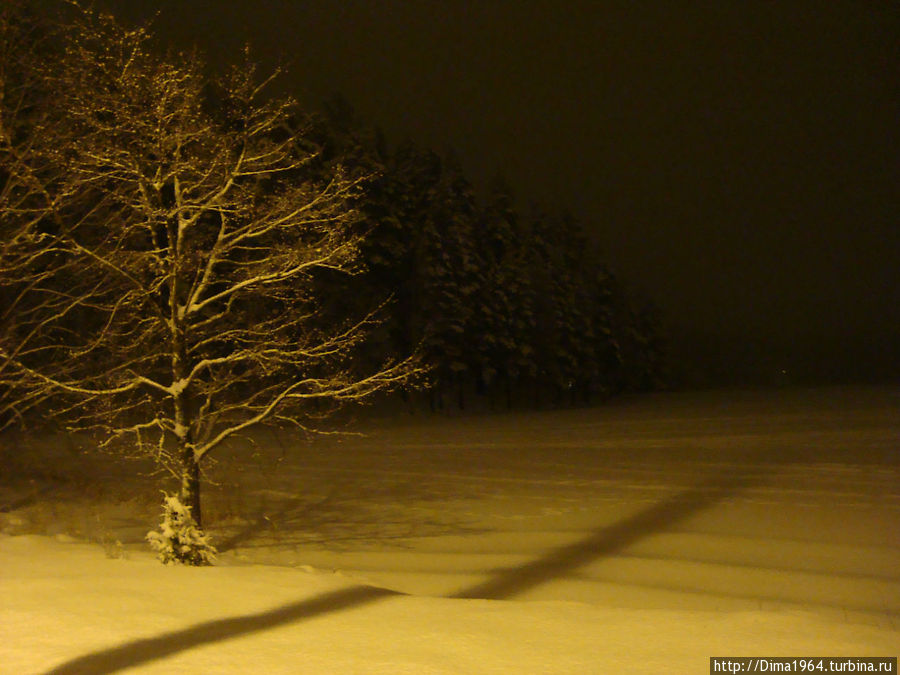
(68, 607)
(648, 534)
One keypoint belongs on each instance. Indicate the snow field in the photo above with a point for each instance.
(65, 603)
(643, 536)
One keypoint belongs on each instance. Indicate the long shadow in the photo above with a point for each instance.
(609, 540)
(505, 584)
(139, 652)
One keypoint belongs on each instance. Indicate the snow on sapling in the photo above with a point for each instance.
(178, 539)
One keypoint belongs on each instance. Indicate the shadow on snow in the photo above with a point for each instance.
(508, 583)
(143, 651)
(609, 540)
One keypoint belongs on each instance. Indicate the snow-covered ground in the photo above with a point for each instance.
(643, 536)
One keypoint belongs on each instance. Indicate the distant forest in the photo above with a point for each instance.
(518, 308)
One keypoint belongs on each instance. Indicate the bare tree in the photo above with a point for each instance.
(34, 193)
(183, 277)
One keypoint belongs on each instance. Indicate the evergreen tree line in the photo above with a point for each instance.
(518, 309)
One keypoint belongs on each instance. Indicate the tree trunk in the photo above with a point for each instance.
(190, 484)
(190, 467)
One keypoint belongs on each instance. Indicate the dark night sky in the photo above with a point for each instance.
(737, 161)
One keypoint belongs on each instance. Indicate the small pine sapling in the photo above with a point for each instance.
(178, 539)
